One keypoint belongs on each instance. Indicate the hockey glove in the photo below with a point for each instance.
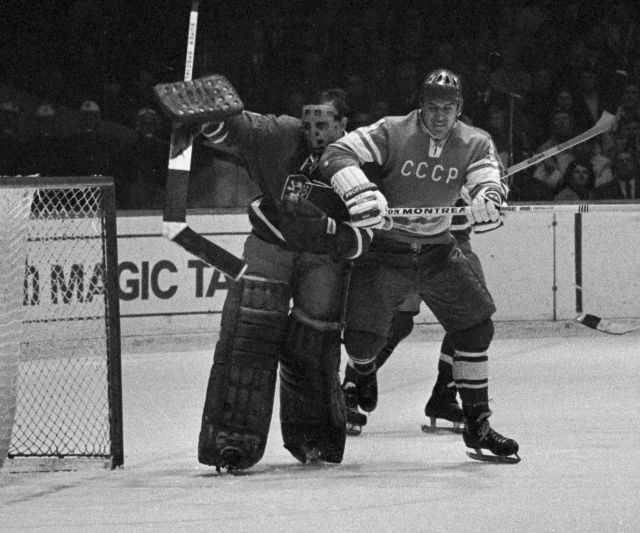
(307, 227)
(198, 101)
(366, 204)
(485, 210)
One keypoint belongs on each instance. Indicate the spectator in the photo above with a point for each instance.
(498, 127)
(295, 103)
(630, 102)
(587, 105)
(405, 98)
(590, 151)
(509, 77)
(44, 148)
(379, 73)
(577, 182)
(141, 168)
(90, 151)
(551, 170)
(357, 96)
(11, 146)
(379, 109)
(627, 180)
(480, 96)
(538, 103)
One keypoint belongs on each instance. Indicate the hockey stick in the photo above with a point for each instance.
(566, 207)
(174, 225)
(605, 325)
(605, 122)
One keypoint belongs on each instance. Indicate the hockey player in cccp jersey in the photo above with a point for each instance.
(427, 158)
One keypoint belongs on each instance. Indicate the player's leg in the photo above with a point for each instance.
(312, 410)
(470, 371)
(442, 403)
(362, 391)
(458, 296)
(373, 295)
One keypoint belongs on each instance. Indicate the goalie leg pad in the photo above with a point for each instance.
(312, 409)
(239, 401)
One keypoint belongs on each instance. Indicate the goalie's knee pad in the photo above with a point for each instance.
(240, 393)
(312, 410)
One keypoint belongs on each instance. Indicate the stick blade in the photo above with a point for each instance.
(606, 326)
(212, 254)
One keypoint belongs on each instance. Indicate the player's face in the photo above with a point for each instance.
(439, 116)
(321, 127)
(580, 175)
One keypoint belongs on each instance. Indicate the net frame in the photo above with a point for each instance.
(107, 319)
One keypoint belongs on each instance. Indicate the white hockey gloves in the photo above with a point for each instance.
(485, 210)
(366, 204)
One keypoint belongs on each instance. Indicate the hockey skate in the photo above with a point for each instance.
(355, 419)
(366, 388)
(444, 406)
(479, 435)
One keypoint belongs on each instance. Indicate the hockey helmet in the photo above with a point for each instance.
(443, 83)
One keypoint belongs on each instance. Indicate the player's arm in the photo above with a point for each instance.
(341, 164)
(308, 227)
(483, 190)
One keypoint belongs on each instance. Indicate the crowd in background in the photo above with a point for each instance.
(76, 83)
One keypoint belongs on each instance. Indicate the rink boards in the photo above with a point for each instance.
(530, 266)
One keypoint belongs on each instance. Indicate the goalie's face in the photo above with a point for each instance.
(439, 116)
(321, 126)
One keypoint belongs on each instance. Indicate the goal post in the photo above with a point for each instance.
(60, 374)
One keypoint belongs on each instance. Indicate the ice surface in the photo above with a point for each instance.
(569, 397)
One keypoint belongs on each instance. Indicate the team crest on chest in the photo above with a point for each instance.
(300, 186)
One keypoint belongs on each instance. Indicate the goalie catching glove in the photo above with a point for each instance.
(366, 204)
(485, 208)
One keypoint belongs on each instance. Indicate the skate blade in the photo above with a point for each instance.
(354, 430)
(457, 428)
(496, 459)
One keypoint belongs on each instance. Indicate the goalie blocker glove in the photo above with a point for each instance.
(366, 204)
(485, 208)
(208, 99)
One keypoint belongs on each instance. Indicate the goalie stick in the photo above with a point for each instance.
(605, 325)
(174, 225)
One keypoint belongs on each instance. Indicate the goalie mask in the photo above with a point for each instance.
(321, 126)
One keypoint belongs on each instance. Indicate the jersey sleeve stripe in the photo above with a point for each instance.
(368, 141)
(354, 145)
(486, 162)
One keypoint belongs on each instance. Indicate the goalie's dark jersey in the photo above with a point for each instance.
(274, 149)
(417, 170)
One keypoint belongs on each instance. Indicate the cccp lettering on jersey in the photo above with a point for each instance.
(422, 170)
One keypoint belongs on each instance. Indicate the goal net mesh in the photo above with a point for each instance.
(61, 319)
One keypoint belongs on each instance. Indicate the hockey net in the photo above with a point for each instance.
(60, 384)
